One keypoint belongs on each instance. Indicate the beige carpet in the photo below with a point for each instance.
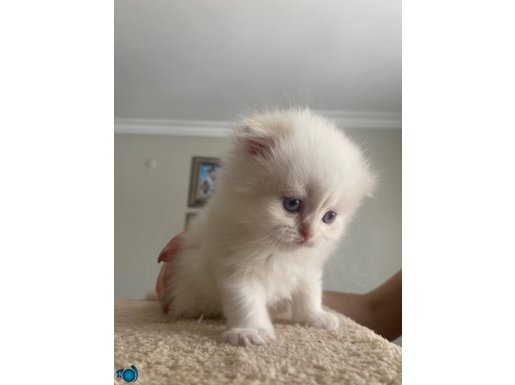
(187, 352)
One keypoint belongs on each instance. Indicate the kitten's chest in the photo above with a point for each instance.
(282, 275)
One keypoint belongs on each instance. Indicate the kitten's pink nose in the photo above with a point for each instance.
(306, 232)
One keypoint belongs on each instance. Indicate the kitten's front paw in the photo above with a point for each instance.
(247, 337)
(324, 320)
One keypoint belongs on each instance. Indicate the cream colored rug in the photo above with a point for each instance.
(186, 352)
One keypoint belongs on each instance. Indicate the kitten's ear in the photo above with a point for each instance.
(257, 142)
(260, 146)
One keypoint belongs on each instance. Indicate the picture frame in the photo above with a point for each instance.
(203, 176)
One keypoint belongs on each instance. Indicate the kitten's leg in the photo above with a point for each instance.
(307, 305)
(248, 321)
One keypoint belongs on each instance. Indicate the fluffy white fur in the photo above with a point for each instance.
(246, 256)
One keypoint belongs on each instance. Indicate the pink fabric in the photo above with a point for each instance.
(164, 279)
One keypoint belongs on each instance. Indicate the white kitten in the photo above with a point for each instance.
(290, 185)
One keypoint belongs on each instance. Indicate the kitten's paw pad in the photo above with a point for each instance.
(325, 320)
(247, 337)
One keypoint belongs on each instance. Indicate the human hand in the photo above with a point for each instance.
(164, 280)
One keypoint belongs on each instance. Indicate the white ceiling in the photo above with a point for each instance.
(213, 60)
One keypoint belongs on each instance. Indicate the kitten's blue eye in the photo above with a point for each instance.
(292, 204)
(329, 217)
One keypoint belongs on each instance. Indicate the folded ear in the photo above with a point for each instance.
(260, 146)
(257, 141)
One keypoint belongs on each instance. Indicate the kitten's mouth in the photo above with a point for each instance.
(295, 241)
(303, 242)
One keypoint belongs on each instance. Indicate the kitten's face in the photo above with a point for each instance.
(302, 220)
(303, 180)
(293, 213)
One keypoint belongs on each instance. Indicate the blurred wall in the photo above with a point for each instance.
(152, 175)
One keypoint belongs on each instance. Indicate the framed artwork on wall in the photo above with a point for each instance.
(204, 172)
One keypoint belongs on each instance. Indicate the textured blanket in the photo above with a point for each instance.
(191, 352)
